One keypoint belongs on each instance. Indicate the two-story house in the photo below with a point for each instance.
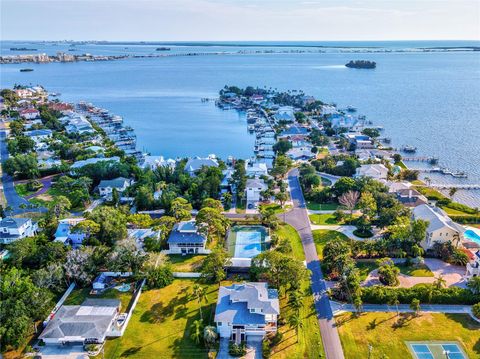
(253, 191)
(246, 309)
(12, 229)
(106, 187)
(185, 239)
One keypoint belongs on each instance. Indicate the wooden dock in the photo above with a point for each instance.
(428, 159)
(457, 186)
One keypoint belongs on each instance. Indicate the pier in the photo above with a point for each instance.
(444, 171)
(458, 186)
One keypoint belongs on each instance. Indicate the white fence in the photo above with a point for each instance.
(187, 274)
(59, 303)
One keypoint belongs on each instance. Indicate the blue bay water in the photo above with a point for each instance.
(427, 99)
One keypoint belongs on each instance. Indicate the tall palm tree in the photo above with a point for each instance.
(439, 282)
(296, 323)
(296, 301)
(196, 327)
(201, 295)
(474, 284)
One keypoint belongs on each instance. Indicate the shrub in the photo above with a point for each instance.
(266, 350)
(237, 350)
(366, 234)
(476, 310)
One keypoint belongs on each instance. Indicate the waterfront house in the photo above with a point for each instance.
(307, 100)
(359, 141)
(440, 228)
(248, 309)
(411, 197)
(39, 135)
(195, 164)
(185, 239)
(12, 229)
(300, 133)
(253, 190)
(473, 267)
(375, 171)
(284, 114)
(301, 153)
(153, 162)
(91, 322)
(64, 233)
(62, 107)
(79, 125)
(106, 187)
(255, 169)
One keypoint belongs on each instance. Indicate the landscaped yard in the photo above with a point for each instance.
(188, 263)
(322, 206)
(322, 236)
(309, 343)
(364, 268)
(420, 270)
(379, 330)
(160, 324)
(324, 219)
(22, 190)
(275, 207)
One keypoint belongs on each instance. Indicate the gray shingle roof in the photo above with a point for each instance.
(89, 320)
(195, 164)
(438, 219)
(185, 232)
(10, 222)
(234, 303)
(114, 183)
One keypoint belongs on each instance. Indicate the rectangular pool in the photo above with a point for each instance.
(247, 241)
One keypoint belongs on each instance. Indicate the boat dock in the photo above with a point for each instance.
(429, 159)
(457, 186)
(444, 171)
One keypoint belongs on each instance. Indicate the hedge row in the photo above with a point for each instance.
(452, 295)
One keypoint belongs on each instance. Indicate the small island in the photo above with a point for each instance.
(162, 49)
(21, 49)
(26, 70)
(361, 64)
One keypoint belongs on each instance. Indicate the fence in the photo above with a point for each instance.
(187, 274)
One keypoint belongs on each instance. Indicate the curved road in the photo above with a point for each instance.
(298, 218)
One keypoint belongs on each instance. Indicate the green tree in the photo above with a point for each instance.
(367, 204)
(211, 222)
(439, 282)
(181, 209)
(474, 284)
(196, 329)
(112, 222)
(295, 322)
(201, 295)
(144, 198)
(213, 267)
(415, 306)
(209, 336)
(22, 166)
(282, 147)
(387, 272)
(281, 166)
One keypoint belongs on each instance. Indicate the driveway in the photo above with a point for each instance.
(254, 347)
(63, 352)
(453, 275)
(298, 218)
(223, 349)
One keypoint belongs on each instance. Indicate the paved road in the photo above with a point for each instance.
(13, 199)
(331, 178)
(403, 308)
(298, 218)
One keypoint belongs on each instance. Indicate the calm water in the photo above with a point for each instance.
(429, 100)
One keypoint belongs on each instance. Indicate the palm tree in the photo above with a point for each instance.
(456, 239)
(296, 301)
(201, 295)
(439, 282)
(196, 331)
(357, 303)
(452, 192)
(474, 284)
(209, 335)
(296, 323)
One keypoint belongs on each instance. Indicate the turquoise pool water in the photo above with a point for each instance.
(247, 241)
(472, 236)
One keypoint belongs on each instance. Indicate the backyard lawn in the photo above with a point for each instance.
(324, 219)
(322, 236)
(386, 338)
(79, 295)
(188, 263)
(309, 344)
(421, 270)
(322, 206)
(161, 321)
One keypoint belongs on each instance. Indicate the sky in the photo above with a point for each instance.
(235, 20)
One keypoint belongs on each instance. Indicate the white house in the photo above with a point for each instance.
(12, 229)
(255, 169)
(39, 135)
(64, 232)
(473, 267)
(440, 229)
(376, 171)
(253, 189)
(152, 162)
(185, 239)
(248, 309)
(285, 114)
(195, 164)
(106, 187)
(29, 113)
(91, 161)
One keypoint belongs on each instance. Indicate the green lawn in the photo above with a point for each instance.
(309, 344)
(275, 207)
(322, 206)
(79, 295)
(22, 190)
(364, 268)
(324, 219)
(322, 236)
(160, 324)
(420, 270)
(188, 263)
(386, 338)
(401, 165)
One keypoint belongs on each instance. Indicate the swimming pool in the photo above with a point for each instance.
(247, 241)
(472, 235)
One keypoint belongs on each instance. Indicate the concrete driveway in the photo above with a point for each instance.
(254, 347)
(63, 352)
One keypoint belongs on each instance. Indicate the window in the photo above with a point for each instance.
(219, 324)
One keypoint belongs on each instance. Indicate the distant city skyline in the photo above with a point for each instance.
(247, 20)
